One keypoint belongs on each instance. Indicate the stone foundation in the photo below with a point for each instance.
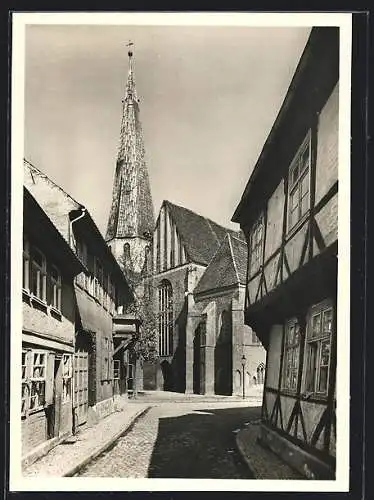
(305, 463)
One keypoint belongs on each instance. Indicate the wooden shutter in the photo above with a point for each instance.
(50, 376)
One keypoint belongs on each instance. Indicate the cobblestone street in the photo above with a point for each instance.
(179, 440)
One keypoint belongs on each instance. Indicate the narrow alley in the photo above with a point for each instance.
(179, 440)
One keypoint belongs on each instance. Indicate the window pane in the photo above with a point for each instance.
(304, 185)
(304, 159)
(54, 273)
(311, 375)
(294, 200)
(325, 352)
(294, 174)
(327, 321)
(322, 386)
(316, 325)
(37, 257)
(304, 205)
(34, 280)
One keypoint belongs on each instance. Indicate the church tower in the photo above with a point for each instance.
(131, 219)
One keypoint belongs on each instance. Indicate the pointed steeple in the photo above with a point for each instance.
(131, 213)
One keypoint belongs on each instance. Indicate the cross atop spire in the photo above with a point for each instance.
(130, 53)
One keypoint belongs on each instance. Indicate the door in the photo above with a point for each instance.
(81, 387)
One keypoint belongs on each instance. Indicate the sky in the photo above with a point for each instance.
(208, 99)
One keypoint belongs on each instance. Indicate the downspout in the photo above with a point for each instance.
(74, 416)
(83, 209)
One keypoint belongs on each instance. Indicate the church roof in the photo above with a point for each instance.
(200, 235)
(227, 267)
(131, 212)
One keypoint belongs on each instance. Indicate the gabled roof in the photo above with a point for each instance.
(227, 267)
(60, 207)
(200, 235)
(37, 224)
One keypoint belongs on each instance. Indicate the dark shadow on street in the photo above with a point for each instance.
(201, 445)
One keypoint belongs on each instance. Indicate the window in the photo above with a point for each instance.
(37, 379)
(26, 263)
(318, 350)
(82, 278)
(54, 287)
(298, 198)
(98, 280)
(116, 369)
(256, 245)
(38, 274)
(291, 356)
(201, 331)
(165, 319)
(260, 373)
(25, 388)
(106, 368)
(67, 373)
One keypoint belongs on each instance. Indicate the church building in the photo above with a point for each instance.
(187, 272)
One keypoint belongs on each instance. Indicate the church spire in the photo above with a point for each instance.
(131, 213)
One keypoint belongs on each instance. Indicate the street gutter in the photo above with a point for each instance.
(101, 449)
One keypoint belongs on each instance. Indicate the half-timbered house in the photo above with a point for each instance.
(48, 321)
(104, 361)
(289, 212)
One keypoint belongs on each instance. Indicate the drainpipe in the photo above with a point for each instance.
(83, 210)
(75, 220)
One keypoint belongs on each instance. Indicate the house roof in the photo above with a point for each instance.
(60, 207)
(200, 235)
(37, 223)
(228, 266)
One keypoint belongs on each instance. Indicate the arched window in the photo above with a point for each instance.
(165, 319)
(261, 373)
(238, 379)
(126, 250)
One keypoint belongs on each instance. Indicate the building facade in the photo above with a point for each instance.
(104, 338)
(289, 214)
(199, 303)
(48, 331)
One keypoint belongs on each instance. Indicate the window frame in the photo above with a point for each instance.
(116, 369)
(37, 380)
(296, 185)
(56, 284)
(291, 350)
(41, 271)
(165, 318)
(314, 344)
(256, 245)
(67, 378)
(24, 383)
(26, 264)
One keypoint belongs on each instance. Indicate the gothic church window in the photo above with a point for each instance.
(165, 319)
(260, 373)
